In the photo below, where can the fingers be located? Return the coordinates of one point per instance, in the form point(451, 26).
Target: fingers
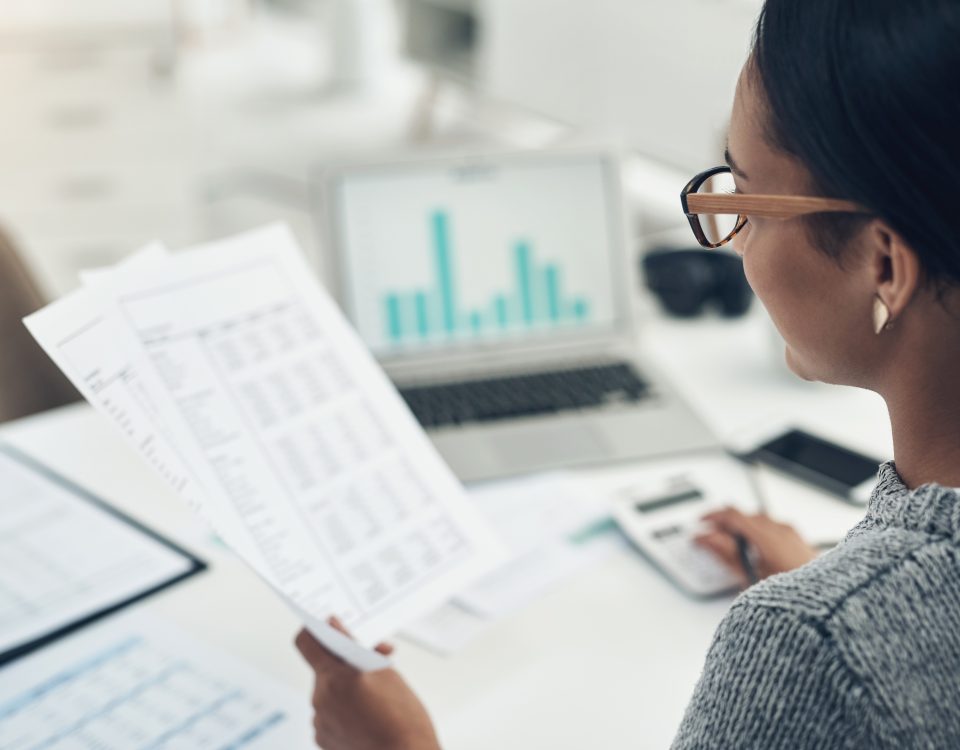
point(381, 648)
point(735, 522)
point(725, 548)
point(318, 657)
point(311, 650)
point(316, 654)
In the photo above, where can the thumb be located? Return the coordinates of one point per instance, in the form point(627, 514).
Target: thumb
point(314, 652)
point(381, 648)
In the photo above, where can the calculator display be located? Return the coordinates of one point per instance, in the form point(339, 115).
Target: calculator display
point(679, 498)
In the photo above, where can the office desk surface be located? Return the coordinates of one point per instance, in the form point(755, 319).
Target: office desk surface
point(607, 660)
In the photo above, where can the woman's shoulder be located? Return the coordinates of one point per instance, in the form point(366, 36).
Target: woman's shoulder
point(800, 621)
point(867, 631)
point(866, 561)
point(771, 676)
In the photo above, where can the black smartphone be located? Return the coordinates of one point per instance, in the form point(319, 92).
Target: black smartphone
point(839, 470)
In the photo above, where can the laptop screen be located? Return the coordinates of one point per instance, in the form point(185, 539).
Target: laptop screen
point(478, 253)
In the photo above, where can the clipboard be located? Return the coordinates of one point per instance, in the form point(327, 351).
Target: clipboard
point(37, 505)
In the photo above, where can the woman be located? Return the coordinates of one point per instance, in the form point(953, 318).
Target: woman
point(857, 104)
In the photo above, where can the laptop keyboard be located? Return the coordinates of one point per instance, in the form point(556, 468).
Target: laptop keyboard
point(509, 397)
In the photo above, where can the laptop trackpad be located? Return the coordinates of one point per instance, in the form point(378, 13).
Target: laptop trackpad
point(551, 445)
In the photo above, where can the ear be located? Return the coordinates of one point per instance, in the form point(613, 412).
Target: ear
point(897, 273)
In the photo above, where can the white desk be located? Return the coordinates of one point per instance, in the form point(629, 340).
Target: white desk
point(607, 660)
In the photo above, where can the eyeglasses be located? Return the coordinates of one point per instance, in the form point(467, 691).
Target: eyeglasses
point(717, 213)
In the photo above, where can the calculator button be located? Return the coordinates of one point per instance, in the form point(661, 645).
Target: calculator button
point(698, 567)
point(667, 532)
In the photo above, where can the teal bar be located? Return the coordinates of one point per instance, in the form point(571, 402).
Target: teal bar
point(524, 280)
point(580, 309)
point(435, 311)
point(552, 277)
point(394, 324)
point(422, 314)
point(476, 322)
point(502, 312)
point(448, 300)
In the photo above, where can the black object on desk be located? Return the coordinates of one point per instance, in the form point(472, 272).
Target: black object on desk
point(687, 282)
point(839, 470)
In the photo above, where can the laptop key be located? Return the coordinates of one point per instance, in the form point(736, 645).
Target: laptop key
point(524, 395)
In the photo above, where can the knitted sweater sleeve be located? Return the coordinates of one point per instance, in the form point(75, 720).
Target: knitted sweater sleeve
point(773, 679)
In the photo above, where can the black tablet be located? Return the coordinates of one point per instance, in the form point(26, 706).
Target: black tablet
point(67, 558)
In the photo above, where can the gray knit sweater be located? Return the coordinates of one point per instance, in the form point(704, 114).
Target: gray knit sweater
point(860, 648)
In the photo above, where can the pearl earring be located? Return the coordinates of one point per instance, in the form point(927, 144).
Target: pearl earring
point(881, 315)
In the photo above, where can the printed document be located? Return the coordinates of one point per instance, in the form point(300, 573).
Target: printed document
point(238, 378)
point(136, 682)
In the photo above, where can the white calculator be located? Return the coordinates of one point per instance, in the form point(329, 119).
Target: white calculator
point(662, 520)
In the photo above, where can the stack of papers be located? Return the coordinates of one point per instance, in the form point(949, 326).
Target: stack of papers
point(553, 525)
point(546, 522)
point(238, 379)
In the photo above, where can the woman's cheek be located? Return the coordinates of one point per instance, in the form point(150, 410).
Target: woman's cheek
point(740, 240)
point(752, 260)
point(761, 276)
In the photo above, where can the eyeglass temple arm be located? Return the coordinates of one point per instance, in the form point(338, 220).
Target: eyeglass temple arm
point(768, 206)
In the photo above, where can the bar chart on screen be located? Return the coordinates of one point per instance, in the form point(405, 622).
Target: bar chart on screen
point(440, 255)
point(535, 298)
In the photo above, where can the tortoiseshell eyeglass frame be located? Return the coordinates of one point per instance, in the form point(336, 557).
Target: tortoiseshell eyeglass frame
point(742, 206)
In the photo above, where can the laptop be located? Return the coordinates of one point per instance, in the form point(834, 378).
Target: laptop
point(497, 292)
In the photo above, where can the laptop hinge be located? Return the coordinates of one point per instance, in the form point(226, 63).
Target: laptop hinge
point(499, 360)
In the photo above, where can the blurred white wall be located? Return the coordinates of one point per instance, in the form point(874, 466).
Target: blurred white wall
point(654, 75)
point(126, 121)
point(18, 17)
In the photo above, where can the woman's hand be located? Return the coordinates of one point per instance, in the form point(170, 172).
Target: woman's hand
point(776, 547)
point(356, 710)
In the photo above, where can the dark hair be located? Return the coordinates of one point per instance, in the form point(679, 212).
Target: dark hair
point(866, 95)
